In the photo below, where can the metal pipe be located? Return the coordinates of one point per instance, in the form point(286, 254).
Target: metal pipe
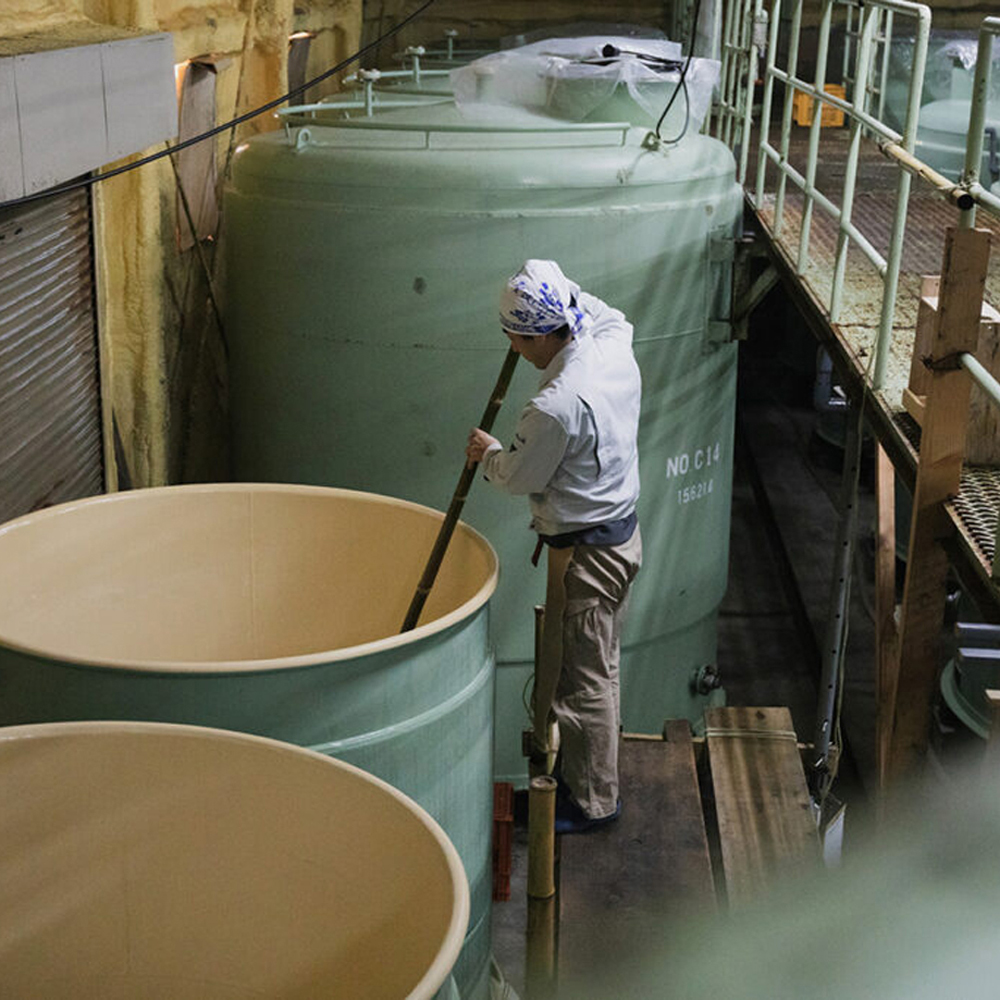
point(985, 198)
point(838, 102)
point(895, 257)
point(848, 34)
point(725, 84)
point(622, 127)
point(981, 376)
point(815, 128)
point(886, 47)
point(851, 168)
point(786, 115)
point(765, 114)
point(753, 65)
point(840, 592)
point(977, 112)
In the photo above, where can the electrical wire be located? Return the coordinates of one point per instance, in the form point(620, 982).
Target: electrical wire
point(232, 124)
point(682, 85)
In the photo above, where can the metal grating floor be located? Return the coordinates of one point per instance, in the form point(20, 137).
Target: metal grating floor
point(928, 217)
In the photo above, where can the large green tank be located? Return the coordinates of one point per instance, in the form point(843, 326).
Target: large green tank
point(272, 610)
point(364, 262)
point(942, 135)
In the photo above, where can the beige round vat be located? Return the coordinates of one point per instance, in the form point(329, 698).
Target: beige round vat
point(274, 610)
point(158, 862)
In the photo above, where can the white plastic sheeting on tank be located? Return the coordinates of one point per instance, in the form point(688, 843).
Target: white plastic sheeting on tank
point(571, 77)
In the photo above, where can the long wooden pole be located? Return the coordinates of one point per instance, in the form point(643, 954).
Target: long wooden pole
point(458, 498)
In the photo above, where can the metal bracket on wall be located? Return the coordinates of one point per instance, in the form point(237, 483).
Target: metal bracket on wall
point(748, 291)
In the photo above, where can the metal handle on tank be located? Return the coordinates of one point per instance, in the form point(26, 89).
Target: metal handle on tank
point(458, 498)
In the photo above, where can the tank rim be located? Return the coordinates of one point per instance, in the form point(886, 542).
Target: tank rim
point(273, 664)
point(453, 940)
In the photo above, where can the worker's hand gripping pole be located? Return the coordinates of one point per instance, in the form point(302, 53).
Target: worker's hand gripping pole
point(458, 499)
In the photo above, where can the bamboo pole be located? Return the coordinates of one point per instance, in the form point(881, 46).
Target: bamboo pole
point(541, 837)
point(458, 498)
point(541, 958)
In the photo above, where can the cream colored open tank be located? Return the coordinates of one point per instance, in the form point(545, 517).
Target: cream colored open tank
point(179, 863)
point(273, 610)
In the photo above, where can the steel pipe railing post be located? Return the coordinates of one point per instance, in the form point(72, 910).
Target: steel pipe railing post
point(752, 67)
point(728, 43)
point(840, 593)
point(816, 127)
point(845, 71)
point(895, 256)
point(786, 115)
point(741, 70)
point(886, 49)
point(765, 111)
point(732, 69)
point(977, 111)
point(851, 168)
point(984, 198)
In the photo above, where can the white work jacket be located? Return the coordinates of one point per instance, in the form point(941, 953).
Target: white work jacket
point(574, 450)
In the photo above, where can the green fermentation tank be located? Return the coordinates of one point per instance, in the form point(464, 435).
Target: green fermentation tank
point(271, 610)
point(942, 136)
point(364, 262)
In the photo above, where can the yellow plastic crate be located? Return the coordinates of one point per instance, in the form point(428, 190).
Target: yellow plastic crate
point(802, 107)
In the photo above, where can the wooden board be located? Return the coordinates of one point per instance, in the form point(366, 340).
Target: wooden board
point(622, 885)
point(765, 821)
point(953, 328)
point(982, 445)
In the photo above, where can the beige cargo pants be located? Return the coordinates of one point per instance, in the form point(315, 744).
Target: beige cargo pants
point(577, 676)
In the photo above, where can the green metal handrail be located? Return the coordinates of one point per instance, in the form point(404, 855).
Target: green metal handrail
point(861, 120)
point(967, 194)
point(977, 122)
point(742, 42)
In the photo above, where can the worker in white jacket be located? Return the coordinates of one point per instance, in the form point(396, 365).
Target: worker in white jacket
point(574, 455)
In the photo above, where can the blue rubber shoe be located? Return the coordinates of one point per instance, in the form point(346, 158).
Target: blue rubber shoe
point(570, 818)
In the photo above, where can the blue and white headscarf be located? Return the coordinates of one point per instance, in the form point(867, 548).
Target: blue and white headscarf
point(540, 299)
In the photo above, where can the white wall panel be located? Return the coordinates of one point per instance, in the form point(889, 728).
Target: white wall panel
point(60, 101)
point(141, 110)
point(11, 176)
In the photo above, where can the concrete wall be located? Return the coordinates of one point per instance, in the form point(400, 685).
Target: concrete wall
point(163, 364)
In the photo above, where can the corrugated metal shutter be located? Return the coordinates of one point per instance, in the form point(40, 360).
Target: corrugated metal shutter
point(50, 409)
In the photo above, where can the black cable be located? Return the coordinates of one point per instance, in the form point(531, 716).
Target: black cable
point(682, 85)
point(177, 147)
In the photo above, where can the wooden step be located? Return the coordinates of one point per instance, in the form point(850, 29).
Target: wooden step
point(762, 804)
point(620, 883)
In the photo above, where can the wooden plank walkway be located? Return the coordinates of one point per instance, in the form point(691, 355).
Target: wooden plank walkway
point(621, 885)
point(762, 805)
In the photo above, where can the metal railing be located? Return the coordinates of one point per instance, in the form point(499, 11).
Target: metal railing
point(863, 111)
point(989, 29)
point(743, 38)
point(878, 72)
point(860, 119)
